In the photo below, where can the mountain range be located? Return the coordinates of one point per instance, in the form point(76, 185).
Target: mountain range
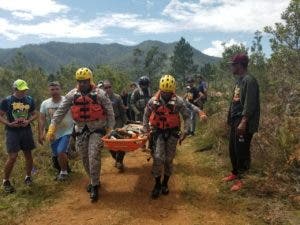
point(50, 56)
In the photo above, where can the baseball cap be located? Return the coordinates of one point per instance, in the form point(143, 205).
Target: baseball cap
point(239, 58)
point(20, 85)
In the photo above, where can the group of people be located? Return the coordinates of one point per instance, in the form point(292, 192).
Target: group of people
point(91, 111)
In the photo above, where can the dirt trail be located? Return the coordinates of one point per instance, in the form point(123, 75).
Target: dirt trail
point(125, 197)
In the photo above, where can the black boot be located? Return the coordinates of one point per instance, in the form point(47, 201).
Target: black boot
point(157, 188)
point(94, 195)
point(164, 186)
point(89, 188)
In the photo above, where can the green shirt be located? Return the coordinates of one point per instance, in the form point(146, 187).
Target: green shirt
point(245, 102)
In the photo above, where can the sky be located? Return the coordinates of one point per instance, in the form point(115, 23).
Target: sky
point(205, 24)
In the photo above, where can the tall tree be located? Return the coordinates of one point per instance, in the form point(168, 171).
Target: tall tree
point(208, 70)
point(137, 62)
point(286, 35)
point(257, 61)
point(182, 60)
point(284, 64)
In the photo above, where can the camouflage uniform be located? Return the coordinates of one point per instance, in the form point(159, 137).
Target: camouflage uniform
point(165, 140)
point(88, 134)
point(138, 102)
point(121, 120)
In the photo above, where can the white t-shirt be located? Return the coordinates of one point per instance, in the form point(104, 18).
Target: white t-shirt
point(48, 107)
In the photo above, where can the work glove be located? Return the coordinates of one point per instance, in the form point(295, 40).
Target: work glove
point(202, 116)
point(50, 136)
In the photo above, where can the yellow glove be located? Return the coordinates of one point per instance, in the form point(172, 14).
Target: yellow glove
point(50, 136)
point(202, 116)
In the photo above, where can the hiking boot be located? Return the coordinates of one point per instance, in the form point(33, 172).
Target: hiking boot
point(120, 166)
point(28, 181)
point(165, 190)
point(156, 191)
point(94, 194)
point(164, 187)
point(237, 186)
point(8, 188)
point(89, 188)
point(230, 177)
point(62, 177)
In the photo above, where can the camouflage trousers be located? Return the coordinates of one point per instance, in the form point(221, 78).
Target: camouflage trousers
point(163, 155)
point(89, 146)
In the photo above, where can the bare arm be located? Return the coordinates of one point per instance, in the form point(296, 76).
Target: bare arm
point(4, 121)
point(42, 122)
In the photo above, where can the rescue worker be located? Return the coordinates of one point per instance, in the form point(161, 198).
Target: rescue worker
point(93, 115)
point(162, 119)
point(120, 118)
point(139, 98)
point(130, 112)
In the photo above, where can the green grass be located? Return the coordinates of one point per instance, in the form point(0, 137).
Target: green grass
point(13, 207)
point(264, 199)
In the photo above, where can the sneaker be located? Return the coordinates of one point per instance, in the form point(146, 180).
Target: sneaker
point(120, 166)
point(237, 186)
point(62, 177)
point(230, 177)
point(28, 181)
point(8, 188)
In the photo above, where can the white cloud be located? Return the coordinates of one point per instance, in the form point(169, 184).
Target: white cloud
point(22, 15)
point(28, 9)
point(202, 15)
point(135, 22)
point(56, 28)
point(225, 15)
point(217, 47)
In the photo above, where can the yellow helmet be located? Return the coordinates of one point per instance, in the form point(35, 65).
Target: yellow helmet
point(167, 83)
point(84, 73)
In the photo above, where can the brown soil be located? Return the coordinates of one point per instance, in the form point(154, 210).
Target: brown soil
point(124, 199)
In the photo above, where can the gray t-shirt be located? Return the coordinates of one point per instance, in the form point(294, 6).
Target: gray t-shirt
point(48, 107)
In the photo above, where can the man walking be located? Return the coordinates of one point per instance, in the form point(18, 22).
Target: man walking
point(93, 114)
point(60, 145)
point(163, 114)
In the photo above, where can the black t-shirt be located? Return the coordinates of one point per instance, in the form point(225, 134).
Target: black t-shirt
point(17, 109)
point(194, 94)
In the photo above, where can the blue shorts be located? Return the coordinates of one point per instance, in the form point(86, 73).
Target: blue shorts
point(60, 145)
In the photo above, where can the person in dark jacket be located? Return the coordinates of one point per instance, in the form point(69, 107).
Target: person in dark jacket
point(243, 119)
point(139, 98)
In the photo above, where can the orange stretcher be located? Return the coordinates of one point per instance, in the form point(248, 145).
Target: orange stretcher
point(126, 145)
